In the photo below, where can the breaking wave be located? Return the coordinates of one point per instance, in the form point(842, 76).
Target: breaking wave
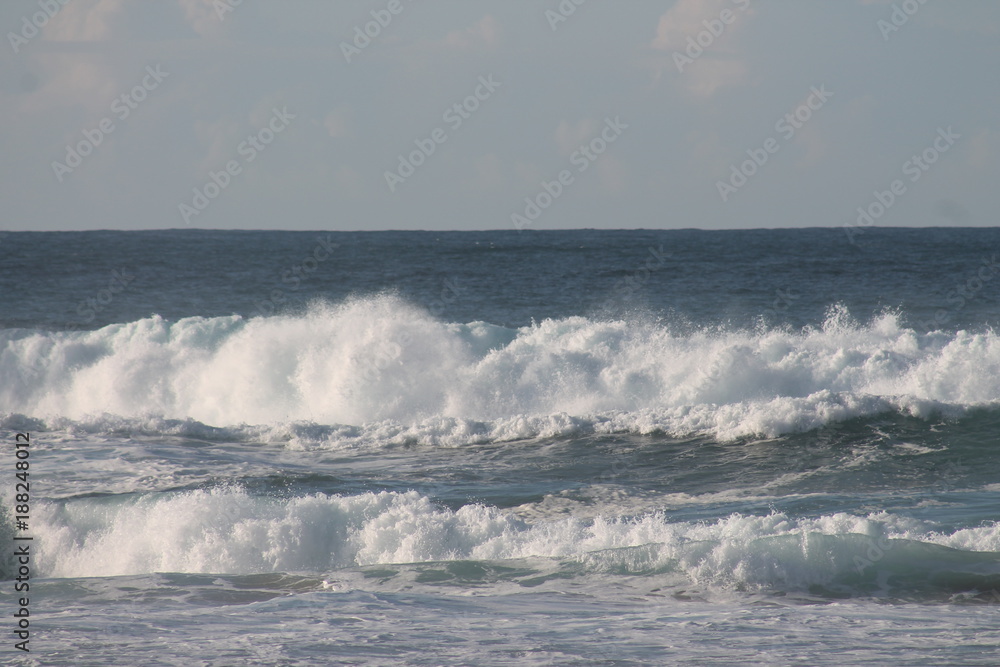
point(228, 531)
point(379, 370)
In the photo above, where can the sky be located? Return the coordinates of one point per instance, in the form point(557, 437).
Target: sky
point(471, 115)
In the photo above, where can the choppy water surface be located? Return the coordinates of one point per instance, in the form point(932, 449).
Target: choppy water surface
point(762, 447)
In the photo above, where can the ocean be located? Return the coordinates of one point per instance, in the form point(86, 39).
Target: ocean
point(581, 447)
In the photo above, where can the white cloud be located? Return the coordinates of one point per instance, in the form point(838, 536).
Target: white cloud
point(337, 123)
point(85, 21)
point(706, 76)
point(570, 136)
point(718, 63)
point(809, 137)
point(813, 142)
point(203, 15)
point(483, 34)
point(82, 83)
point(613, 174)
point(686, 19)
point(220, 138)
point(982, 149)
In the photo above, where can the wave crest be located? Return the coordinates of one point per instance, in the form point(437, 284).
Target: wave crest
point(389, 367)
point(228, 531)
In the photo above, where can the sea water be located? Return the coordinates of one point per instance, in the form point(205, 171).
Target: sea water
point(764, 447)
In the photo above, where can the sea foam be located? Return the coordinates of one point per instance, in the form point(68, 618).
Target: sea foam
point(377, 370)
point(226, 530)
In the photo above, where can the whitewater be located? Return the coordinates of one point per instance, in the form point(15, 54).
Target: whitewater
point(395, 371)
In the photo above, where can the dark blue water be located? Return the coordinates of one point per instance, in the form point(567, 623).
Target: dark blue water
point(506, 277)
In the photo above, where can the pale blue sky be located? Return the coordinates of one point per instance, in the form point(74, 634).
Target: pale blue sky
point(266, 90)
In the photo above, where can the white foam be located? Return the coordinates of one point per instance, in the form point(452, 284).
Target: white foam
point(399, 375)
point(229, 531)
